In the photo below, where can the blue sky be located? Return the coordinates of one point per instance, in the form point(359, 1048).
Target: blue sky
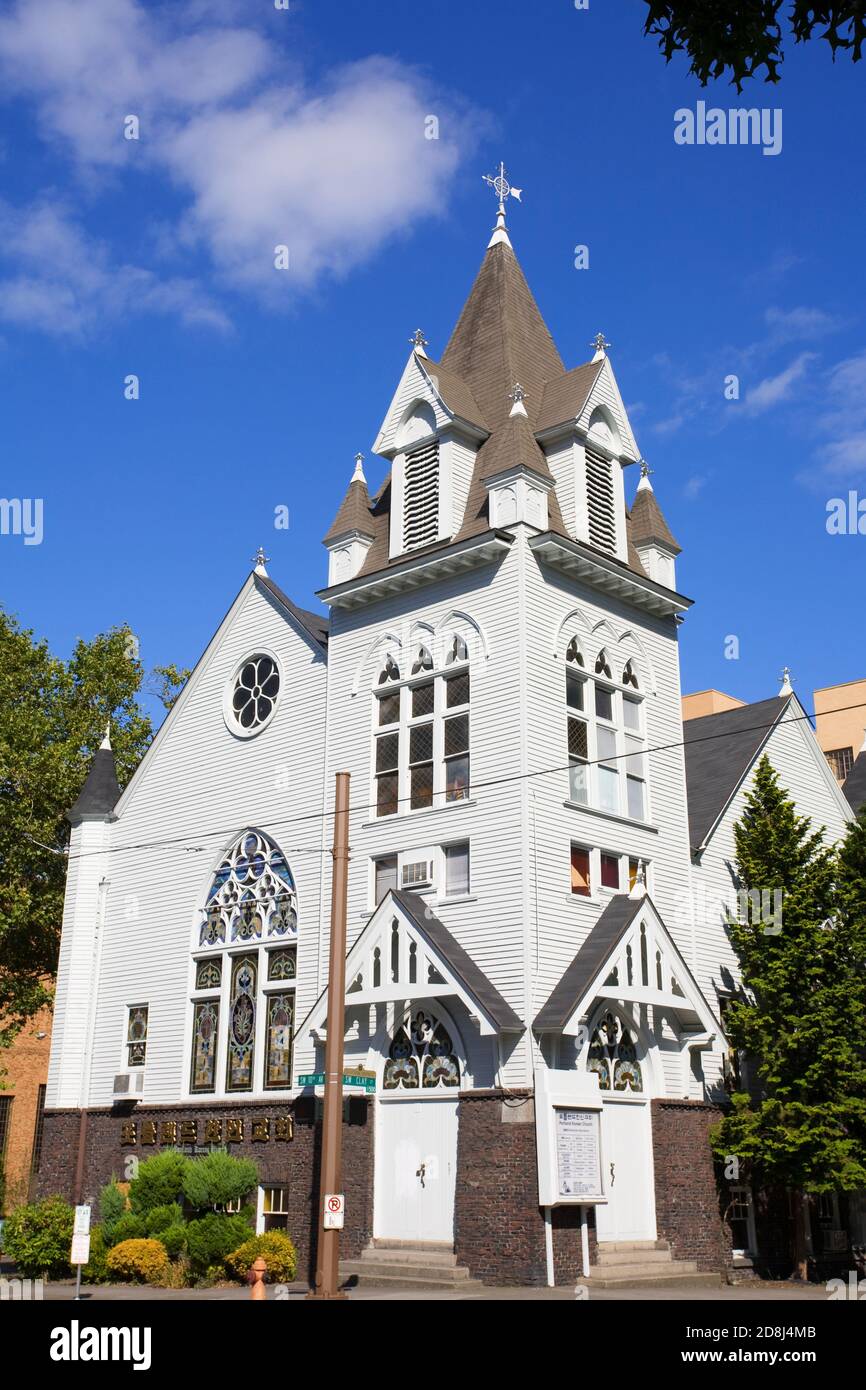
point(259, 126)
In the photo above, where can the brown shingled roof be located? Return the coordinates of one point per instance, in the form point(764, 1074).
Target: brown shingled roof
point(647, 522)
point(565, 396)
point(454, 392)
point(354, 513)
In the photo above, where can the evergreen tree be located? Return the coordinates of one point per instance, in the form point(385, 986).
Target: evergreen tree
point(801, 1015)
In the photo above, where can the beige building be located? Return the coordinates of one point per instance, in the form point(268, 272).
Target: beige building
point(840, 722)
point(708, 702)
point(23, 1076)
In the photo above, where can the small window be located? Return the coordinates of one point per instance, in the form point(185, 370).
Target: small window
point(457, 758)
point(608, 773)
point(390, 671)
point(610, 871)
point(275, 1209)
point(631, 714)
point(254, 697)
point(456, 870)
point(389, 709)
point(635, 793)
point(841, 761)
point(136, 1035)
point(423, 661)
point(423, 698)
point(602, 665)
point(457, 690)
point(420, 766)
point(629, 676)
point(208, 973)
point(574, 653)
point(5, 1118)
point(580, 880)
point(575, 689)
point(387, 778)
point(385, 876)
point(39, 1132)
point(459, 652)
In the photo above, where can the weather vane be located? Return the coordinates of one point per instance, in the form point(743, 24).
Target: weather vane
point(501, 187)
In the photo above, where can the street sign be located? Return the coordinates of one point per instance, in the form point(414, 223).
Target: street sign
point(80, 1249)
point(334, 1211)
point(358, 1081)
point(81, 1226)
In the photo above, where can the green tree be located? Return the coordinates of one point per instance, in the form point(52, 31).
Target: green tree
point(801, 1016)
point(53, 715)
point(741, 37)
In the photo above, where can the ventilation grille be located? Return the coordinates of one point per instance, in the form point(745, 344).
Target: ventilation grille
point(599, 496)
point(421, 497)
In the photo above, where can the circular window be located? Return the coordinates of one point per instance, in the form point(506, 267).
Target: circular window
point(255, 691)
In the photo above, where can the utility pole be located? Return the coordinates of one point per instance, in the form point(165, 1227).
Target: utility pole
point(328, 1246)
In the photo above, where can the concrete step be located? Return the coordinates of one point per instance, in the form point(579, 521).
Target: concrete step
point(411, 1266)
point(449, 1274)
point(397, 1280)
point(612, 1258)
point(409, 1254)
point(649, 1278)
point(632, 1245)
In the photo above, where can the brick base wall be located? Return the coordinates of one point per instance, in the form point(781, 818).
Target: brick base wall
point(294, 1163)
point(689, 1207)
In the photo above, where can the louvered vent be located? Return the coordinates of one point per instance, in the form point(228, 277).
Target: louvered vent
point(421, 497)
point(599, 496)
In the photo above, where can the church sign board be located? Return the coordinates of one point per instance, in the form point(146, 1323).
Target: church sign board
point(568, 1138)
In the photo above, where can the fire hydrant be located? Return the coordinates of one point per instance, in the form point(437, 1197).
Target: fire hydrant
point(258, 1270)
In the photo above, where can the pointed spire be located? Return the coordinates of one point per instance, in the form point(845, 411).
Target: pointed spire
point(786, 688)
point(601, 345)
point(503, 189)
point(260, 560)
point(101, 790)
point(638, 888)
point(354, 513)
point(646, 523)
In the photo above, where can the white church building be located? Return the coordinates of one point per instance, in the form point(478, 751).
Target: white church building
point(539, 866)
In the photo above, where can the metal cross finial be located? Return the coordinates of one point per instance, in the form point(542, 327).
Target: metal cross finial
point(501, 187)
point(359, 459)
point(260, 559)
point(787, 686)
point(600, 343)
point(517, 393)
point(418, 340)
point(645, 469)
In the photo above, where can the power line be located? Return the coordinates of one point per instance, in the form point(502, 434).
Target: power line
point(319, 816)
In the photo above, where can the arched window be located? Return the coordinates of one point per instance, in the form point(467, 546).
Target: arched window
point(613, 1056)
point(602, 665)
point(605, 736)
point(629, 675)
point(252, 904)
point(421, 1056)
point(573, 652)
point(390, 671)
point(458, 651)
point(423, 661)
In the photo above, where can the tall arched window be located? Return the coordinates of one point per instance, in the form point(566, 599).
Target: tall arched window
point(245, 968)
point(605, 735)
point(613, 1056)
point(421, 1057)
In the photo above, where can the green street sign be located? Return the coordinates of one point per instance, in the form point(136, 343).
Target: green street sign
point(361, 1083)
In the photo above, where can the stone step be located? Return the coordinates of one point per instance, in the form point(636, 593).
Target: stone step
point(394, 1279)
point(639, 1268)
point(632, 1245)
point(451, 1274)
point(649, 1279)
point(626, 1257)
point(409, 1254)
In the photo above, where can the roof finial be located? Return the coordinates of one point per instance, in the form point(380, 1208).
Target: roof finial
point(106, 742)
point(638, 888)
point(601, 345)
point(358, 475)
point(517, 395)
point(787, 687)
point(503, 189)
point(419, 342)
point(645, 485)
point(260, 559)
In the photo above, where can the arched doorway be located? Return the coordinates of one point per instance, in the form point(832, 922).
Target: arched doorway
point(617, 1054)
point(416, 1131)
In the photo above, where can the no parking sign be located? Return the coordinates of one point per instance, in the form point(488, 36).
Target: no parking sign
point(335, 1210)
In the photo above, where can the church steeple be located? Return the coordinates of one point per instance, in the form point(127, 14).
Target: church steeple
point(351, 532)
point(650, 533)
point(101, 790)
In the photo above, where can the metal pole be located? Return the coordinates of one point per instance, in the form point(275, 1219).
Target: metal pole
point(328, 1248)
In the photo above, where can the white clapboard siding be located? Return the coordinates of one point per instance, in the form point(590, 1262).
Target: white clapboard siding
point(197, 789)
point(795, 754)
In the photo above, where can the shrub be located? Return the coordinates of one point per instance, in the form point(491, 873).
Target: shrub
point(277, 1251)
point(112, 1202)
point(160, 1218)
point(38, 1237)
point(127, 1227)
point(212, 1237)
point(159, 1181)
point(174, 1240)
point(96, 1269)
point(140, 1262)
point(216, 1179)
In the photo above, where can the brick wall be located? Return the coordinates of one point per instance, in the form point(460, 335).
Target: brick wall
point(689, 1208)
point(498, 1224)
point(25, 1065)
point(294, 1163)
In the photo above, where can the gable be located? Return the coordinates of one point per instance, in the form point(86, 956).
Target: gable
point(605, 393)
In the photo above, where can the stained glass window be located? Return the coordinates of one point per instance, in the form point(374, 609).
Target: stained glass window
point(278, 1063)
point(613, 1056)
point(136, 1036)
point(205, 1029)
point(281, 965)
point(242, 1025)
point(252, 893)
point(421, 1054)
point(209, 974)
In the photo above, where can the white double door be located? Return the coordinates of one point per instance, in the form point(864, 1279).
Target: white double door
point(416, 1163)
point(627, 1173)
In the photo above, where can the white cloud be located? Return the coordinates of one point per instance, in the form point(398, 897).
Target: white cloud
point(799, 324)
point(775, 389)
point(253, 156)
